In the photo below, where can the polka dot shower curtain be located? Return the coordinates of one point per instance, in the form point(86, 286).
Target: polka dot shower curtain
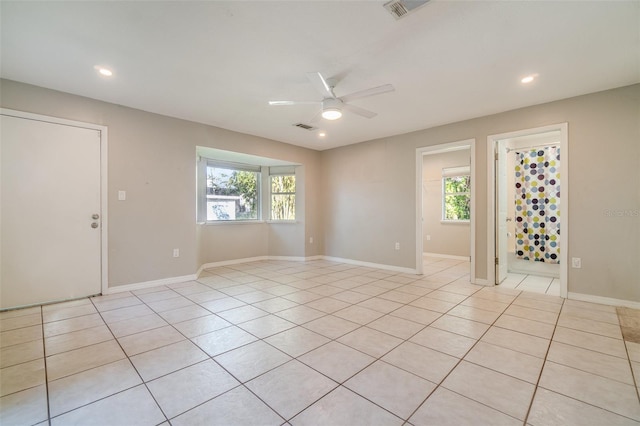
point(537, 217)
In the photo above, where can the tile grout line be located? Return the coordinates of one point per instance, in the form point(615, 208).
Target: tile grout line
point(626, 348)
point(546, 355)
point(438, 385)
point(393, 348)
point(130, 362)
point(243, 384)
point(44, 361)
point(128, 359)
point(180, 369)
point(331, 340)
point(326, 314)
point(211, 357)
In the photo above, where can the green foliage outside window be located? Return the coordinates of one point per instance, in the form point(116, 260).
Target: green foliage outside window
point(283, 197)
point(457, 198)
point(238, 183)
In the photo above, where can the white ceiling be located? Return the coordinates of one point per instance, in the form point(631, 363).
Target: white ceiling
point(220, 62)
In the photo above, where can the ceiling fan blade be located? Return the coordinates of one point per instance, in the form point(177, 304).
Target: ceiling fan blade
point(284, 103)
point(368, 92)
point(360, 111)
point(320, 83)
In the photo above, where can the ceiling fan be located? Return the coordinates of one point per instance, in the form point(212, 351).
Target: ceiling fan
point(332, 106)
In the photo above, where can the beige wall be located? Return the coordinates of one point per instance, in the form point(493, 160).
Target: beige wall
point(152, 157)
point(369, 193)
point(359, 200)
point(452, 239)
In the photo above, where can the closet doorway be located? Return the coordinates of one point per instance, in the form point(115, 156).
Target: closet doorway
point(530, 209)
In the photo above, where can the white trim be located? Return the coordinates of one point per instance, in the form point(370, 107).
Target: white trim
point(154, 283)
point(104, 196)
point(230, 262)
point(255, 259)
point(480, 281)
point(446, 256)
point(371, 265)
point(492, 141)
point(469, 144)
point(184, 278)
point(603, 300)
point(53, 302)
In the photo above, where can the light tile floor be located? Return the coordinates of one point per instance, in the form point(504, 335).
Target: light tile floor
point(319, 343)
point(532, 283)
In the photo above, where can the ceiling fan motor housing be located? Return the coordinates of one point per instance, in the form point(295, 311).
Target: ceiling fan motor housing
point(331, 103)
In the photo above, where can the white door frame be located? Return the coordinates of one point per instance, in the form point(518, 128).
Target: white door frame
point(492, 142)
point(469, 144)
point(104, 272)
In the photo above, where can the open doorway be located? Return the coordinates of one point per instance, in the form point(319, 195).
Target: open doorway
point(445, 219)
point(530, 211)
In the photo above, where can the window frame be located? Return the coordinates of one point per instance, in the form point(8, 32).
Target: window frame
point(454, 172)
point(202, 194)
point(276, 172)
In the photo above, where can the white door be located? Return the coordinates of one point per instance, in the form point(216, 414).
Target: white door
point(50, 212)
point(501, 217)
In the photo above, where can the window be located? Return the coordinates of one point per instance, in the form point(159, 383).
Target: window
point(232, 191)
point(230, 188)
point(283, 193)
point(456, 194)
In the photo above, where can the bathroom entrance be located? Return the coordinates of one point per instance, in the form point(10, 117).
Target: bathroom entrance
point(530, 212)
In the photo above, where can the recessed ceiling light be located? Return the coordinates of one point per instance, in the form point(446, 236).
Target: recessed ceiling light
point(528, 79)
point(103, 71)
point(322, 134)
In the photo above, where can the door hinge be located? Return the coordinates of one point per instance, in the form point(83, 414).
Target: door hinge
point(496, 156)
point(497, 261)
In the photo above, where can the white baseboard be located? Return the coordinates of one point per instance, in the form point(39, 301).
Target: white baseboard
point(230, 262)
point(147, 284)
point(446, 256)
point(480, 281)
point(603, 300)
point(304, 259)
point(176, 280)
point(371, 265)
point(254, 259)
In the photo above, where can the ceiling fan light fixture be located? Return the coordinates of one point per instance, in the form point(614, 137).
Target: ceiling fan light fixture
point(331, 113)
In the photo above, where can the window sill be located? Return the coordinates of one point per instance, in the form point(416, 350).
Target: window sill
point(249, 222)
point(231, 222)
point(455, 222)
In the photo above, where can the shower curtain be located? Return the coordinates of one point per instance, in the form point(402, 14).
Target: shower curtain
point(537, 212)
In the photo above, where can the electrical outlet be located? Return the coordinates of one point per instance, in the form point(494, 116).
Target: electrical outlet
point(428, 237)
point(176, 252)
point(397, 246)
point(576, 262)
point(310, 240)
point(122, 195)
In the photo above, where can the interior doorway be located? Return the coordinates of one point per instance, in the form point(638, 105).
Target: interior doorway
point(529, 219)
point(434, 165)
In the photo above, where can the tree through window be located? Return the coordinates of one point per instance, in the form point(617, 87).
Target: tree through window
point(232, 192)
point(283, 197)
point(456, 194)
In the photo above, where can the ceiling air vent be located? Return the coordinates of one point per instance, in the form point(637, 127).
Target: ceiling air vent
point(304, 126)
point(399, 8)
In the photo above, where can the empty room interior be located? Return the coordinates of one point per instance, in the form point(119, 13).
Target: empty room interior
point(319, 213)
